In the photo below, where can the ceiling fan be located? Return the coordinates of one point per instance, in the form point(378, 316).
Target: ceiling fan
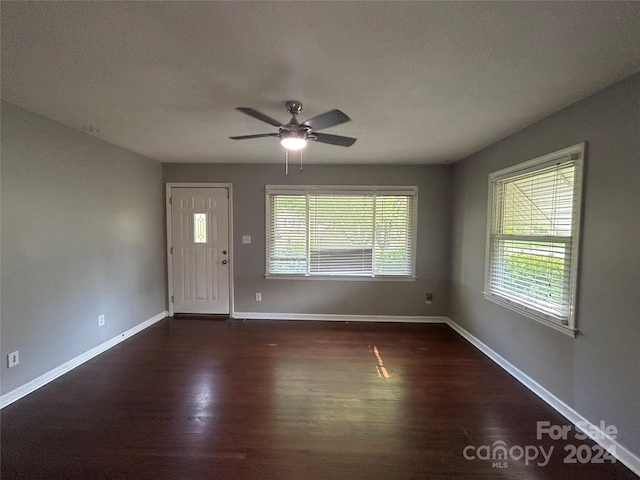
point(295, 135)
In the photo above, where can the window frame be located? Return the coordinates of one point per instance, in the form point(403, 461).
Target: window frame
point(344, 189)
point(575, 154)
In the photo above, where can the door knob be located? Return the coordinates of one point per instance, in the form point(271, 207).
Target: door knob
point(224, 262)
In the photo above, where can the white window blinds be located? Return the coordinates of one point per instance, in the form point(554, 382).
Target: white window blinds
point(342, 229)
point(288, 239)
point(532, 239)
point(319, 231)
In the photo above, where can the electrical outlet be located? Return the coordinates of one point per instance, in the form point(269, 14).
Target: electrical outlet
point(429, 298)
point(101, 320)
point(12, 359)
point(258, 297)
point(246, 239)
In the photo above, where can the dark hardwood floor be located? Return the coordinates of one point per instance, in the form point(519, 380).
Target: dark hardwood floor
point(201, 399)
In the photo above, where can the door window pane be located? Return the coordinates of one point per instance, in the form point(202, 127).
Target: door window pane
point(199, 228)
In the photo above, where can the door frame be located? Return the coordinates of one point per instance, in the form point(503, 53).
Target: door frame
point(168, 187)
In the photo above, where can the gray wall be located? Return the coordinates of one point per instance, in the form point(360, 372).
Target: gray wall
point(82, 235)
point(597, 373)
point(323, 296)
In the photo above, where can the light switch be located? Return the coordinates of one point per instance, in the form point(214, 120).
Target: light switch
point(246, 238)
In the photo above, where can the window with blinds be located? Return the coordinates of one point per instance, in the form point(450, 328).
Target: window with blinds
point(341, 231)
point(532, 241)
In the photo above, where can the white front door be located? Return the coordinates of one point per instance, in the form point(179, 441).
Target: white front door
point(200, 245)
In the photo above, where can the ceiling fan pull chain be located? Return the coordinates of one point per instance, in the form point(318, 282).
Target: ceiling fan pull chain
point(300, 161)
point(286, 161)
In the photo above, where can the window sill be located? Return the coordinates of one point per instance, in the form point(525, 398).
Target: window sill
point(540, 318)
point(342, 278)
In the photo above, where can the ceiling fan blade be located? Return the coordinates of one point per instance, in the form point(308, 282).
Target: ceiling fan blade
point(259, 135)
point(326, 120)
point(260, 116)
point(333, 139)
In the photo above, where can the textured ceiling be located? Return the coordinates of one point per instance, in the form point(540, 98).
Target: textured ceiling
point(423, 82)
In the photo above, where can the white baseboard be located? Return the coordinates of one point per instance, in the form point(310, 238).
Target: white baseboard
point(621, 453)
point(338, 318)
point(16, 394)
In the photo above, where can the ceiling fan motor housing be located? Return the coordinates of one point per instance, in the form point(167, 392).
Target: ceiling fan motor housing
point(302, 132)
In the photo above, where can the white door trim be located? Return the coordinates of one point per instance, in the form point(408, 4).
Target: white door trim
point(168, 188)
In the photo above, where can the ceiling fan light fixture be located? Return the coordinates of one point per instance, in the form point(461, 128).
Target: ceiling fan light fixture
point(294, 141)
